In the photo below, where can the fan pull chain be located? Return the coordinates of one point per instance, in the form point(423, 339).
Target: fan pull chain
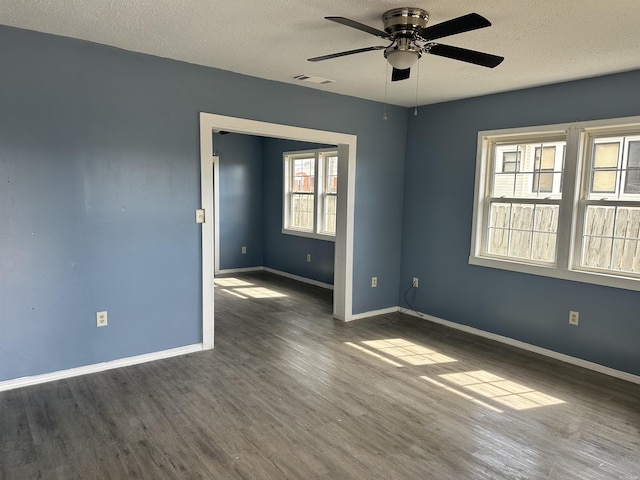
point(386, 84)
point(415, 110)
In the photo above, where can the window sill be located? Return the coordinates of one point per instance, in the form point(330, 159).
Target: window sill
point(316, 236)
point(593, 278)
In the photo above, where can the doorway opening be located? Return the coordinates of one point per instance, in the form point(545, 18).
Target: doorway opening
point(343, 262)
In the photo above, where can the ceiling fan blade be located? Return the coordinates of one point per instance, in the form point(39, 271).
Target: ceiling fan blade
point(465, 55)
point(466, 23)
point(342, 54)
point(398, 74)
point(359, 26)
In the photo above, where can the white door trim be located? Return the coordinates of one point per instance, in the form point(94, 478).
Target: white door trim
point(206, 194)
point(343, 267)
point(216, 214)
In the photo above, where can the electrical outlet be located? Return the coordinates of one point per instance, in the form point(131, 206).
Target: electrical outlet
point(574, 317)
point(415, 282)
point(101, 319)
point(244, 250)
point(309, 257)
point(374, 282)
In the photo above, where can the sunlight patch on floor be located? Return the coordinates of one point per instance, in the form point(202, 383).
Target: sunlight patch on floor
point(231, 282)
point(498, 389)
point(461, 394)
point(234, 293)
point(244, 290)
point(408, 352)
point(373, 354)
point(259, 292)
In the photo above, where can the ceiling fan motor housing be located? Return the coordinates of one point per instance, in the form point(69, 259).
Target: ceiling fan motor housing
point(402, 24)
point(404, 21)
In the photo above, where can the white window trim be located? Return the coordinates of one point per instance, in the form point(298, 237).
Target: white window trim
point(571, 206)
point(319, 153)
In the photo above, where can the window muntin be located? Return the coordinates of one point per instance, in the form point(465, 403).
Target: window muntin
point(310, 193)
point(572, 213)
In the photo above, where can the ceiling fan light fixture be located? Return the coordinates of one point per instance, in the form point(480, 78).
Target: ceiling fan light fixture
point(402, 59)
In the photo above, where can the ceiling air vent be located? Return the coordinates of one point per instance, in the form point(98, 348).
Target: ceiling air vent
point(311, 79)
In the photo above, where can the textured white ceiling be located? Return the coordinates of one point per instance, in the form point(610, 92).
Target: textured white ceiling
point(544, 41)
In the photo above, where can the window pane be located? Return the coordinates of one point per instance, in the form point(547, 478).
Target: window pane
point(498, 241)
point(504, 184)
point(511, 162)
point(628, 223)
point(331, 181)
point(606, 155)
point(626, 255)
point(520, 244)
point(528, 170)
point(304, 175)
point(632, 179)
point(519, 223)
point(615, 168)
point(596, 252)
point(526, 231)
point(329, 221)
point(611, 238)
point(544, 247)
point(546, 218)
point(543, 182)
point(604, 181)
point(543, 176)
point(302, 211)
point(522, 216)
point(599, 221)
point(548, 158)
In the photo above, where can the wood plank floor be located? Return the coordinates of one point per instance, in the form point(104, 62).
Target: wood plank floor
point(289, 393)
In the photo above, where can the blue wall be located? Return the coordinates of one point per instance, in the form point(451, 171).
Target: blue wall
point(241, 186)
point(288, 253)
point(438, 203)
point(251, 176)
point(100, 175)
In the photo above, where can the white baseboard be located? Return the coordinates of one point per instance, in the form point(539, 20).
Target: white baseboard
point(299, 278)
point(629, 377)
point(239, 270)
point(276, 272)
point(97, 367)
point(373, 313)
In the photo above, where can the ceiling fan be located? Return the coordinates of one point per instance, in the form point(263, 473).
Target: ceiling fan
point(406, 29)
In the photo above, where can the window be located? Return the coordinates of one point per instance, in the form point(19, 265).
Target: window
point(310, 193)
point(524, 201)
point(561, 201)
point(611, 205)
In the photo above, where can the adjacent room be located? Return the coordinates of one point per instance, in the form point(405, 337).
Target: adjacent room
point(244, 240)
